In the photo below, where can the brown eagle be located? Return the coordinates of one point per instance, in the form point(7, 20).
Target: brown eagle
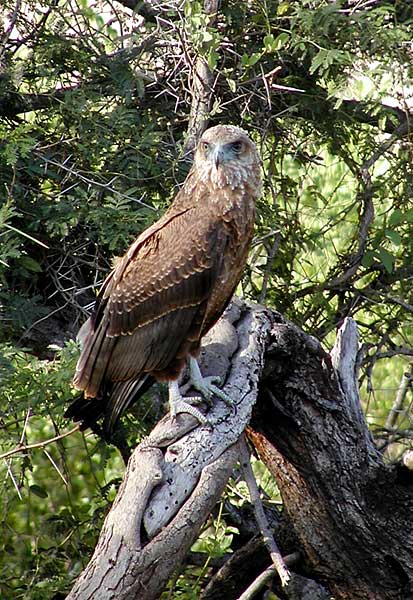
point(171, 286)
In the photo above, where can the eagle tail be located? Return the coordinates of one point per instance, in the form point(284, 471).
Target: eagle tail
point(101, 398)
point(110, 405)
point(96, 351)
point(123, 395)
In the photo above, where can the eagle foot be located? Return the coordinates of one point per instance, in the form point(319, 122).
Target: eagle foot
point(180, 405)
point(206, 386)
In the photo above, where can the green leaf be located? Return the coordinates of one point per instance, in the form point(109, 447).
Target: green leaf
point(387, 259)
point(325, 58)
point(249, 61)
point(283, 8)
point(408, 215)
point(272, 44)
point(38, 491)
point(394, 236)
point(367, 259)
point(269, 42)
point(321, 59)
point(396, 217)
point(281, 40)
point(30, 264)
point(207, 36)
point(213, 57)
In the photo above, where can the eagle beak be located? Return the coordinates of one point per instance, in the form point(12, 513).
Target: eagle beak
point(218, 157)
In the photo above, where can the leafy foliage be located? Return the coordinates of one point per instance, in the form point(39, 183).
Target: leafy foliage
point(94, 104)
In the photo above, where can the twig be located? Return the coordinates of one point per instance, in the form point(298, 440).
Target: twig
point(395, 410)
point(12, 23)
point(398, 351)
point(26, 423)
point(266, 576)
point(265, 280)
point(384, 146)
point(12, 477)
point(367, 199)
point(20, 232)
point(93, 182)
point(400, 302)
point(260, 516)
point(50, 457)
point(43, 444)
point(366, 220)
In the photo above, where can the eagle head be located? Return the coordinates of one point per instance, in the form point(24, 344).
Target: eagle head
point(225, 155)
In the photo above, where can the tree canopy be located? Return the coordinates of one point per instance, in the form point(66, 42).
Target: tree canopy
point(100, 105)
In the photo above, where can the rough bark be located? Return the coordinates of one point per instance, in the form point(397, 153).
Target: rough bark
point(351, 514)
point(347, 513)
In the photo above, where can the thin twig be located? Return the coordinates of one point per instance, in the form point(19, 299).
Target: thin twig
point(20, 232)
point(12, 23)
point(405, 383)
point(50, 457)
point(260, 516)
point(26, 423)
point(12, 477)
point(266, 576)
point(367, 199)
point(266, 278)
point(92, 182)
point(43, 444)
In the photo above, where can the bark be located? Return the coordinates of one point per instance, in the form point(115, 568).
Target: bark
point(346, 513)
point(350, 512)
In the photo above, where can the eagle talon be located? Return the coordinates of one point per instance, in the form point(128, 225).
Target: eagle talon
point(180, 405)
point(210, 380)
point(185, 407)
point(205, 385)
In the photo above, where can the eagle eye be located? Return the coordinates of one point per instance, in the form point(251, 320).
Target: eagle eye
point(205, 146)
point(236, 146)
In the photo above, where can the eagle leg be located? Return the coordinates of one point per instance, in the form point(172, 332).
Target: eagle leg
point(179, 405)
point(205, 385)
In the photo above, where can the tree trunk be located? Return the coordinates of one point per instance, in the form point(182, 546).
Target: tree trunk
point(349, 514)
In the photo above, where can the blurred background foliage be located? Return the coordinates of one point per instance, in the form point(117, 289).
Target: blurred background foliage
point(94, 106)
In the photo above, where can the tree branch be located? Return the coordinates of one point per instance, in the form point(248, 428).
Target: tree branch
point(202, 88)
point(309, 429)
point(345, 505)
point(42, 444)
point(177, 474)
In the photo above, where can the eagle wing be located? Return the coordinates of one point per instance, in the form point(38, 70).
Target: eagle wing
point(154, 301)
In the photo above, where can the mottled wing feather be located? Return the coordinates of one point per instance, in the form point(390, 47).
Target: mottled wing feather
point(173, 269)
point(151, 347)
point(144, 315)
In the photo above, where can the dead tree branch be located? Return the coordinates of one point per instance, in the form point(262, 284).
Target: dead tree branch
point(349, 514)
point(175, 477)
point(349, 510)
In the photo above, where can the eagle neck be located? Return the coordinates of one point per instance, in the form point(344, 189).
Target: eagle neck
point(229, 179)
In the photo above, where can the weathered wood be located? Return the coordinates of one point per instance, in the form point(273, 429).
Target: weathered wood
point(349, 512)
point(175, 477)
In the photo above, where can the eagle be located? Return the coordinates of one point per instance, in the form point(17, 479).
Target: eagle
point(171, 286)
